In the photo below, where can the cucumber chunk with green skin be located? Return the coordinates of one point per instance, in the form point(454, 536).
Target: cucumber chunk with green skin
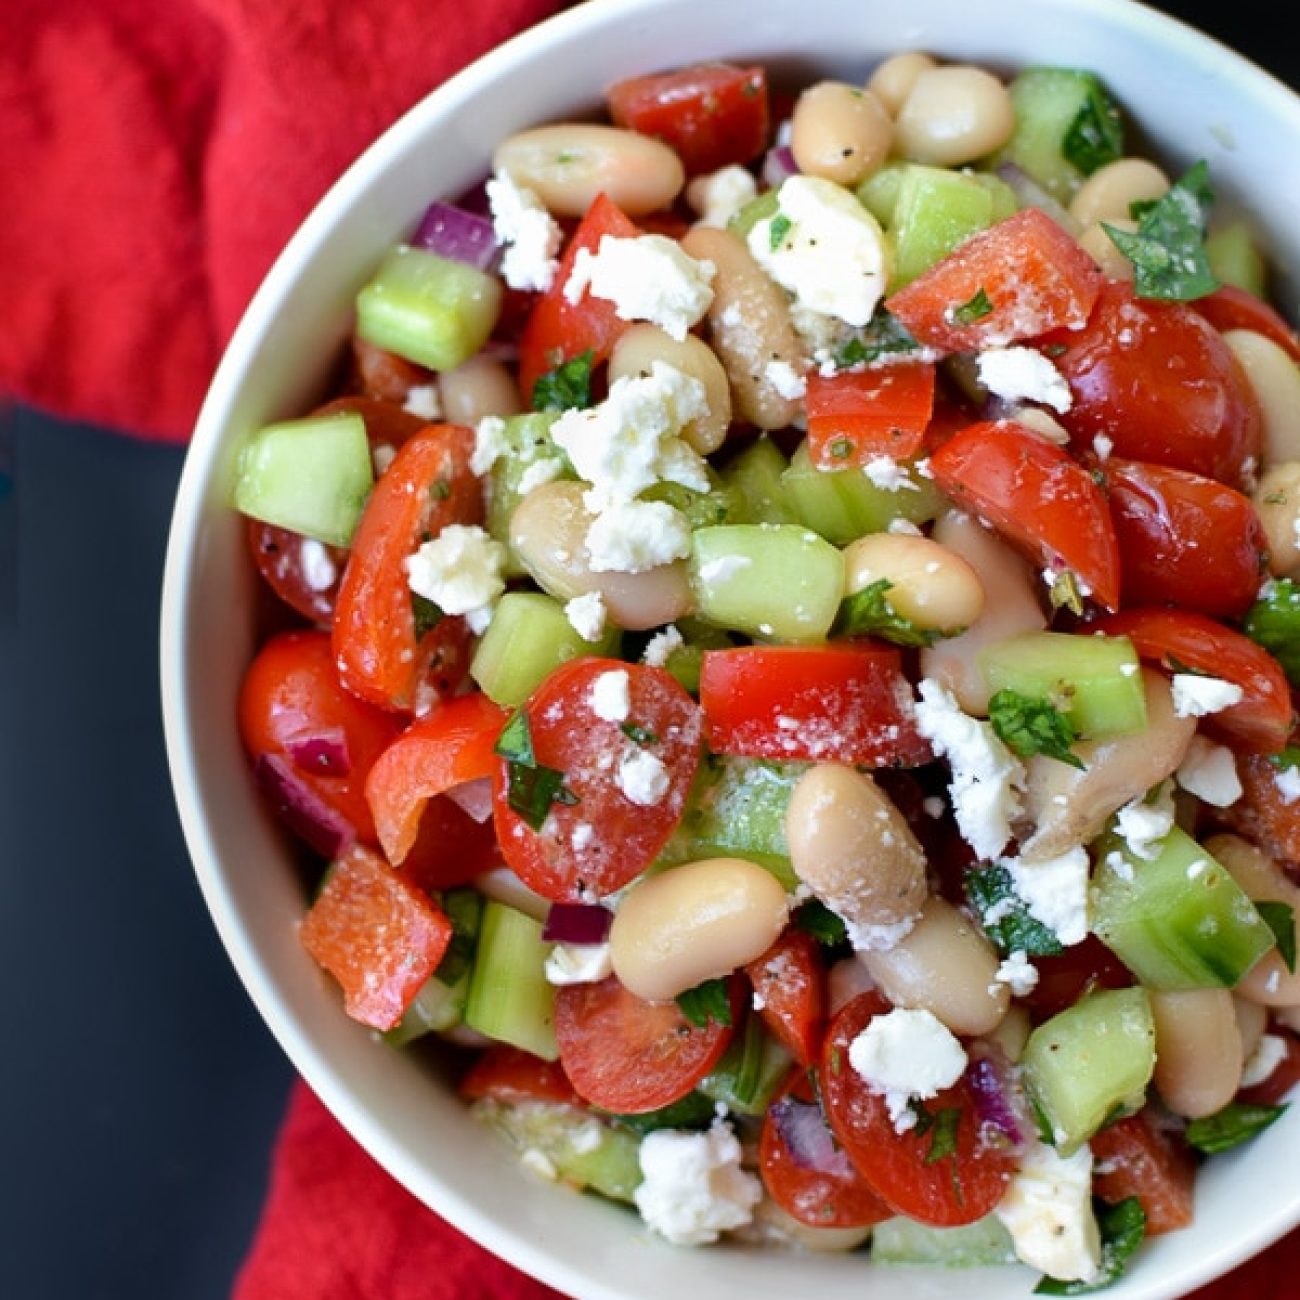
point(311, 476)
point(936, 209)
point(1096, 681)
point(777, 581)
point(702, 509)
point(509, 996)
point(751, 1071)
point(754, 480)
point(1178, 921)
point(581, 1149)
point(761, 208)
point(879, 192)
point(436, 1008)
point(529, 452)
point(1235, 258)
point(428, 309)
point(904, 1241)
point(1090, 1062)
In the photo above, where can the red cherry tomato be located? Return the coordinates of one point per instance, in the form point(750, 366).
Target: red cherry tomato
point(291, 692)
point(384, 375)
point(1185, 539)
point(789, 982)
point(630, 1056)
point(428, 486)
point(827, 1192)
point(855, 415)
point(506, 1073)
point(1179, 640)
point(1285, 1075)
point(1136, 1157)
point(1262, 814)
point(711, 114)
point(955, 1189)
point(599, 836)
point(1231, 308)
point(1159, 381)
point(1065, 978)
point(1037, 496)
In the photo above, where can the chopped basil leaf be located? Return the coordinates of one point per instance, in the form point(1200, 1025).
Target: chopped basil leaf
point(868, 612)
point(778, 230)
point(1123, 1227)
point(639, 735)
point(884, 334)
point(708, 1001)
point(427, 615)
point(1286, 758)
point(464, 909)
point(693, 1111)
point(1065, 592)
point(1168, 248)
point(1237, 1122)
point(943, 1136)
point(440, 489)
point(1005, 917)
point(976, 309)
point(1273, 622)
point(816, 919)
point(567, 387)
point(1096, 136)
point(1280, 918)
point(531, 789)
point(1029, 726)
point(515, 743)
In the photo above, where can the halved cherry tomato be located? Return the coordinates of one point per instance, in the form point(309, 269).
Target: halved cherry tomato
point(1037, 496)
point(379, 936)
point(1285, 1075)
point(842, 703)
point(1262, 814)
point(629, 1056)
point(1033, 278)
point(558, 329)
point(711, 114)
point(597, 837)
point(789, 982)
point(291, 692)
point(1135, 1157)
point(445, 748)
point(1159, 381)
point(507, 1073)
point(1179, 640)
point(1232, 308)
point(384, 375)
point(428, 486)
point(1185, 539)
point(450, 848)
point(855, 415)
point(1065, 978)
point(954, 1189)
point(829, 1193)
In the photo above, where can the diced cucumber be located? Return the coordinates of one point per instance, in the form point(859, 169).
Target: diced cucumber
point(693, 1111)
point(528, 638)
point(1235, 258)
point(905, 1241)
point(685, 661)
point(1094, 680)
point(1090, 1061)
point(702, 509)
point(936, 210)
point(757, 209)
point(509, 997)
point(436, 1008)
point(845, 504)
point(311, 476)
point(1005, 200)
point(751, 1070)
point(879, 192)
point(427, 308)
point(528, 444)
point(1060, 113)
point(777, 581)
point(1178, 921)
point(754, 480)
point(581, 1149)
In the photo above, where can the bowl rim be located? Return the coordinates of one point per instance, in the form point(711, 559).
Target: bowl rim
point(312, 1065)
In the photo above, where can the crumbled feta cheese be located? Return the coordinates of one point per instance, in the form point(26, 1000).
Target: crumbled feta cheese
point(1269, 1053)
point(609, 696)
point(539, 1163)
point(786, 380)
point(578, 963)
point(1047, 1209)
point(545, 469)
point(490, 444)
point(531, 236)
point(888, 475)
point(1018, 973)
point(637, 536)
point(319, 572)
point(986, 776)
point(1103, 446)
point(582, 834)
point(460, 570)
point(1142, 823)
point(1056, 892)
point(647, 277)
point(586, 615)
point(1021, 374)
point(643, 778)
point(1196, 695)
point(717, 197)
point(422, 400)
point(1287, 783)
point(693, 1188)
point(825, 248)
point(907, 1055)
point(660, 647)
point(1209, 771)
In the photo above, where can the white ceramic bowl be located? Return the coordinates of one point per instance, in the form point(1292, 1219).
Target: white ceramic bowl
point(1190, 96)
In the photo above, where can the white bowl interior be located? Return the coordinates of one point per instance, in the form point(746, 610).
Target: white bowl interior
point(1189, 96)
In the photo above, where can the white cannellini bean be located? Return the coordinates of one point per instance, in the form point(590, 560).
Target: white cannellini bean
point(894, 79)
point(1109, 193)
point(1105, 252)
point(478, 388)
point(1277, 503)
point(930, 584)
point(1252, 1020)
point(954, 115)
point(840, 132)
point(1275, 379)
point(1198, 1050)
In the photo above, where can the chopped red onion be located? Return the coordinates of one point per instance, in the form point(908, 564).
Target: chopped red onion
point(577, 923)
point(322, 753)
point(473, 797)
point(301, 808)
point(1032, 195)
point(806, 1135)
point(993, 1089)
point(779, 165)
point(457, 235)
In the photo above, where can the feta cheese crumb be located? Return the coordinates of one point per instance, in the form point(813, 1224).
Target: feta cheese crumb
point(637, 536)
point(578, 963)
point(319, 572)
point(609, 696)
point(545, 469)
point(1056, 892)
point(660, 647)
point(1287, 783)
point(422, 400)
point(717, 197)
point(539, 1163)
point(1209, 771)
point(888, 475)
point(460, 570)
point(1103, 446)
point(1269, 1053)
point(531, 236)
point(1142, 823)
point(490, 444)
point(907, 1055)
point(647, 277)
point(693, 1188)
point(586, 615)
point(643, 778)
point(1196, 695)
point(1047, 1209)
point(1018, 973)
point(1021, 374)
point(786, 379)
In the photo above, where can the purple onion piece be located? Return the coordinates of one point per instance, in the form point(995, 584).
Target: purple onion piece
point(993, 1092)
point(322, 753)
point(1032, 195)
point(457, 235)
point(473, 797)
point(577, 923)
point(301, 808)
point(779, 165)
point(807, 1137)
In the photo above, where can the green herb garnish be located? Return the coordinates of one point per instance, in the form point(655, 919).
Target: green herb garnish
point(869, 613)
point(638, 735)
point(1280, 918)
point(1004, 915)
point(1123, 1227)
point(816, 919)
point(708, 1001)
point(1236, 1123)
point(567, 387)
point(883, 335)
point(1096, 136)
point(1273, 622)
point(427, 615)
point(778, 229)
point(976, 309)
point(531, 788)
point(1030, 726)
